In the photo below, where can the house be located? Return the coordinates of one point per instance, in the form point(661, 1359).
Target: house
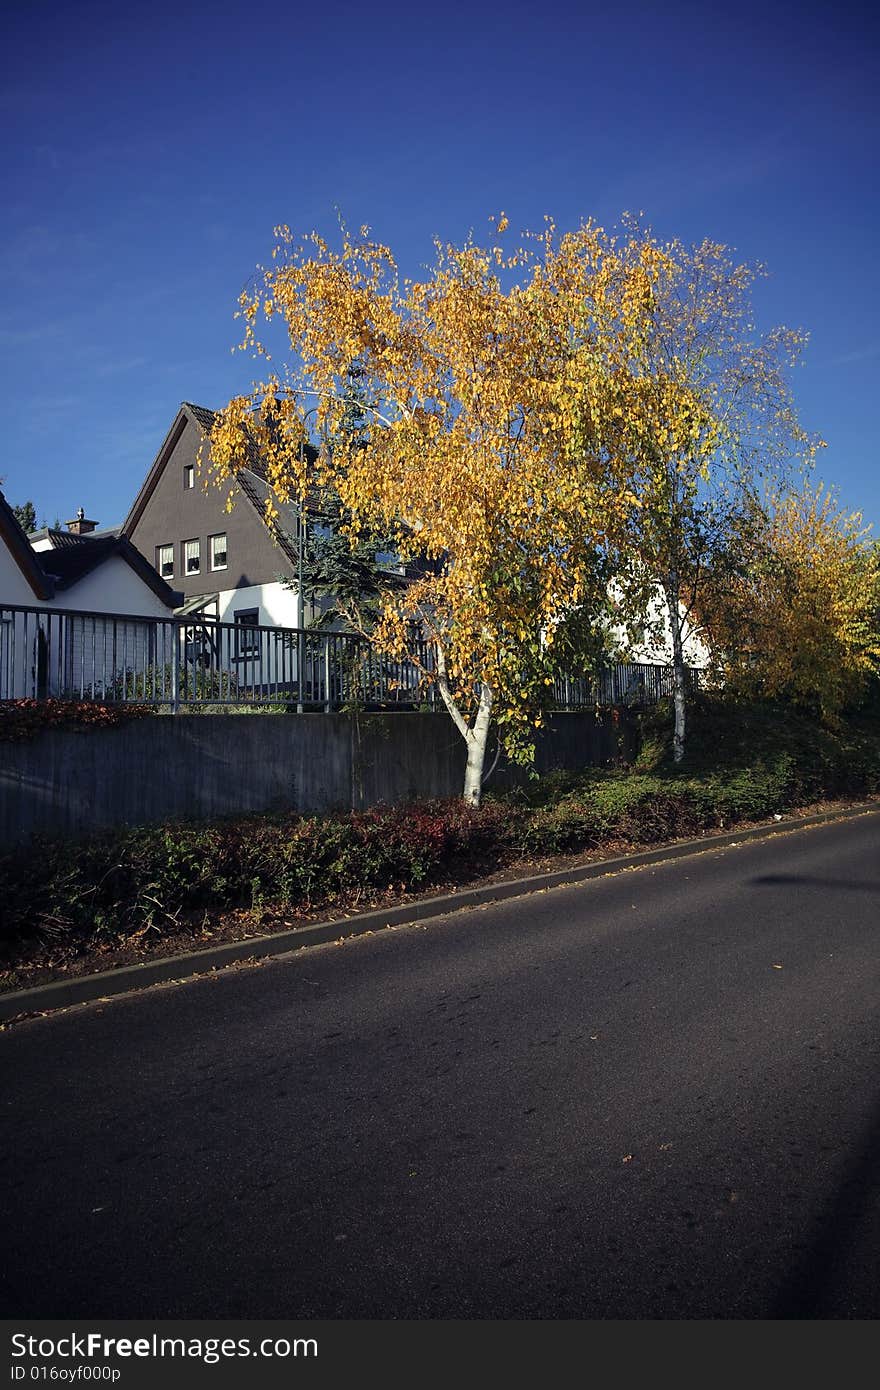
point(104, 574)
point(78, 609)
point(227, 564)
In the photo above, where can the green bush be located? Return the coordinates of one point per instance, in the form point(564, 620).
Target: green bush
point(157, 877)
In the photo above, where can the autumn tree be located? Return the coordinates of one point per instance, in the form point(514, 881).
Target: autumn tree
point(485, 391)
point(802, 623)
point(701, 409)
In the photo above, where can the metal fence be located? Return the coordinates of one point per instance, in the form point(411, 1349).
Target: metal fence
point(174, 662)
point(634, 684)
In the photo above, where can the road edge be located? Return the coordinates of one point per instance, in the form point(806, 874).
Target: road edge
point(63, 994)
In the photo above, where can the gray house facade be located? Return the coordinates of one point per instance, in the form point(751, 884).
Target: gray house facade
point(227, 564)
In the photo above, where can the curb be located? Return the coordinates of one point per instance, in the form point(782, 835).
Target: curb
point(62, 994)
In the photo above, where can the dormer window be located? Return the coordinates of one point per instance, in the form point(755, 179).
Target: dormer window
point(192, 557)
point(189, 475)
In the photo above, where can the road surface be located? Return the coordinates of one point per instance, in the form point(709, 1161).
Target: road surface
point(653, 1095)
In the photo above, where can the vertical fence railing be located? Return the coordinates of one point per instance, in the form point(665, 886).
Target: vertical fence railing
point(178, 662)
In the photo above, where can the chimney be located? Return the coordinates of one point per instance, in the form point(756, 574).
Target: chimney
point(80, 526)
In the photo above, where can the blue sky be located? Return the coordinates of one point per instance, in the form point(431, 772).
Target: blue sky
point(150, 150)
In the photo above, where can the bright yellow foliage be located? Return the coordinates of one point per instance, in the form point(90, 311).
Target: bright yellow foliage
point(543, 416)
point(804, 624)
point(492, 382)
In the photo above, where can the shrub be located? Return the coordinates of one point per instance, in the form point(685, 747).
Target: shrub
point(24, 719)
point(156, 877)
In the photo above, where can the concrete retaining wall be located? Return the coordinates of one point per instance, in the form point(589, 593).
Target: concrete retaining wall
point(71, 781)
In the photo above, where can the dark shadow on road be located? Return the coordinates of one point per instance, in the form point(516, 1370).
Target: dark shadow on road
point(853, 885)
point(822, 1285)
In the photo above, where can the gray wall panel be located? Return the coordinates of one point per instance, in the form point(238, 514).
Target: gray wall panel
point(72, 781)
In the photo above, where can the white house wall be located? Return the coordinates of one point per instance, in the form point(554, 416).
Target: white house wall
point(75, 656)
point(277, 605)
point(14, 588)
point(15, 647)
point(95, 651)
point(655, 649)
point(112, 587)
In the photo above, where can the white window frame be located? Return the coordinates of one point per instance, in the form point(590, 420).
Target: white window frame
point(197, 556)
point(160, 562)
point(189, 475)
point(220, 535)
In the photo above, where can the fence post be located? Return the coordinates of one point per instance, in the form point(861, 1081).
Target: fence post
point(327, 692)
point(175, 668)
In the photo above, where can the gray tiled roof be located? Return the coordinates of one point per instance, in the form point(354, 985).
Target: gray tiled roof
point(285, 527)
point(68, 563)
point(204, 416)
point(61, 538)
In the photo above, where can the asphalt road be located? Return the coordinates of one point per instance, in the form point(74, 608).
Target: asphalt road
point(655, 1095)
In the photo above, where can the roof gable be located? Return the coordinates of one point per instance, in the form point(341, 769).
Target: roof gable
point(20, 549)
point(72, 563)
point(251, 482)
point(148, 486)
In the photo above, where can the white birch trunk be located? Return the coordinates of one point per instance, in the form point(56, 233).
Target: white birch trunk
point(679, 674)
point(476, 738)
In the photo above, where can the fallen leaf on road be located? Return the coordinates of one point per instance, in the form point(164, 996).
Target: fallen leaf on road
point(776, 967)
point(627, 1158)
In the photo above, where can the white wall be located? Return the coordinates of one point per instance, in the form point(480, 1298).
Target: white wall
point(69, 656)
point(278, 606)
point(16, 642)
point(14, 588)
point(113, 587)
point(94, 651)
point(655, 648)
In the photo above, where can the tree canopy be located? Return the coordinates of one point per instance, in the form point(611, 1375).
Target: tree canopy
point(545, 417)
point(481, 380)
point(348, 572)
point(703, 419)
point(801, 621)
